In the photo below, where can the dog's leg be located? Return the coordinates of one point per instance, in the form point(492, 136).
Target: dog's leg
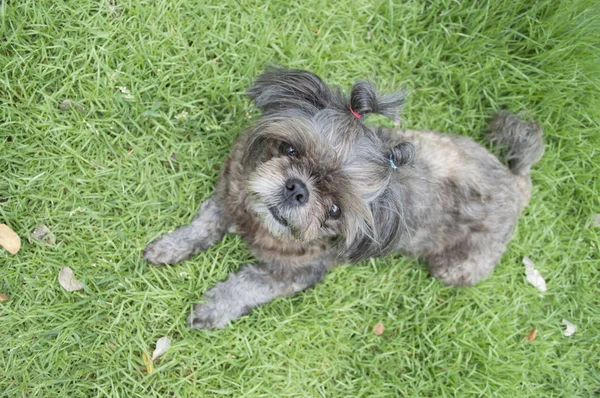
point(465, 273)
point(206, 228)
point(251, 286)
point(465, 266)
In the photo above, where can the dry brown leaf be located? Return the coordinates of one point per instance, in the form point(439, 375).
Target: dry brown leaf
point(3, 297)
point(148, 363)
point(68, 281)
point(378, 329)
point(42, 233)
point(531, 335)
point(9, 239)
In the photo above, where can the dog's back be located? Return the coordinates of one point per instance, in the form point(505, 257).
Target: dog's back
point(468, 202)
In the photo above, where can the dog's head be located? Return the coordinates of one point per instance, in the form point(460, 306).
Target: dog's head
point(316, 171)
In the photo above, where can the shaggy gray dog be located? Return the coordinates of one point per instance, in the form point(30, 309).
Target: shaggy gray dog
point(309, 186)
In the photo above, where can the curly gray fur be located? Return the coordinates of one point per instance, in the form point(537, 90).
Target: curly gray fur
point(365, 192)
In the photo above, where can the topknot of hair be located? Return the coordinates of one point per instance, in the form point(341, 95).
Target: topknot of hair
point(364, 101)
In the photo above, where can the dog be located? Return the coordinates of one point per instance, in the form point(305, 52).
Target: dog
point(309, 186)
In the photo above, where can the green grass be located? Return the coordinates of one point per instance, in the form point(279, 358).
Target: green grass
point(105, 182)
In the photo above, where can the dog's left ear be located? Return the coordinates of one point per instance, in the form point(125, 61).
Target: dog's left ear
point(278, 89)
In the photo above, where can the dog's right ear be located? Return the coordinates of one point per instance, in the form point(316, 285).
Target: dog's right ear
point(278, 89)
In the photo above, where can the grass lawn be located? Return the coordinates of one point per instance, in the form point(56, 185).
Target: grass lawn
point(157, 91)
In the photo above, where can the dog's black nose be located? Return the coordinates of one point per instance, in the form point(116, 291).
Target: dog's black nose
point(296, 193)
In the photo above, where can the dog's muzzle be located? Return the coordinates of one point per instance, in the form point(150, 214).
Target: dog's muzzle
point(277, 216)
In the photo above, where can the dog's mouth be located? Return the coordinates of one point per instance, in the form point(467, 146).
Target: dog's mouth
point(277, 216)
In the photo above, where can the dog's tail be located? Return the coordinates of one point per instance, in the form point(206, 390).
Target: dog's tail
point(522, 139)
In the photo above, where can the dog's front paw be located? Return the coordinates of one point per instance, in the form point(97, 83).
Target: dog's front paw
point(206, 316)
point(166, 250)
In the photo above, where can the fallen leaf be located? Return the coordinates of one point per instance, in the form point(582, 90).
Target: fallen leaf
point(65, 105)
point(533, 276)
point(42, 233)
point(113, 8)
point(531, 335)
point(378, 329)
point(3, 297)
point(570, 330)
point(9, 239)
point(162, 345)
point(528, 263)
point(125, 91)
point(68, 105)
point(68, 281)
point(182, 115)
point(148, 363)
point(77, 210)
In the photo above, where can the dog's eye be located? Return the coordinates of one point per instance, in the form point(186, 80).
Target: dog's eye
point(335, 212)
point(287, 149)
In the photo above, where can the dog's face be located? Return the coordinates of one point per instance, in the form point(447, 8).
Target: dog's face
point(315, 171)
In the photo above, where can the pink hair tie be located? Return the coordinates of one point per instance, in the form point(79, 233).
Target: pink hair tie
point(356, 115)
